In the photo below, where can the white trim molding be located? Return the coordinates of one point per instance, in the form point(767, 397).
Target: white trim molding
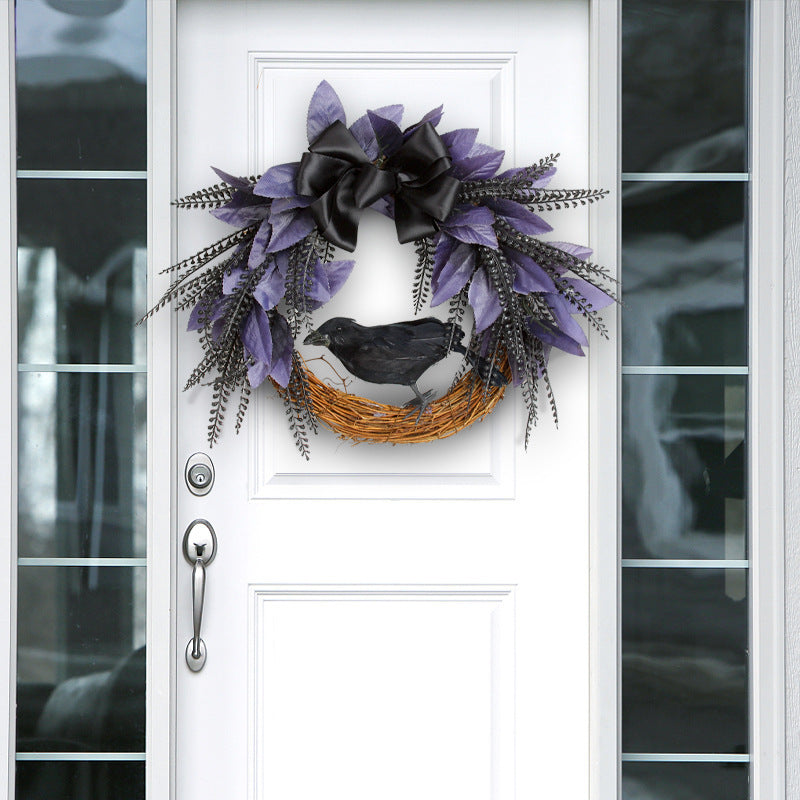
point(767, 684)
point(8, 394)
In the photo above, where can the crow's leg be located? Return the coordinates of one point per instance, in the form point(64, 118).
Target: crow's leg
point(421, 400)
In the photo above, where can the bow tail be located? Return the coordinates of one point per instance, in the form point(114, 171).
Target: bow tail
point(337, 216)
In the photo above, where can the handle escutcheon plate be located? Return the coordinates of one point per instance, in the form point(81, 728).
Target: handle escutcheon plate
point(199, 549)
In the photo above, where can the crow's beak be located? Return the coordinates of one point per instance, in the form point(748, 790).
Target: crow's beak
point(315, 337)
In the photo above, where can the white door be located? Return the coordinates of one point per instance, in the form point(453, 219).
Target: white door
point(385, 622)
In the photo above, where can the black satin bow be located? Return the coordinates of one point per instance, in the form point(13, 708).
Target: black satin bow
point(338, 173)
point(423, 193)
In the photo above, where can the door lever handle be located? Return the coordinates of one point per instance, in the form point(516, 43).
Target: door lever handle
point(199, 549)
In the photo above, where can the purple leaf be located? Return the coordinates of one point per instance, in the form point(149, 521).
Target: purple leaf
point(460, 142)
point(530, 276)
point(519, 217)
point(242, 209)
point(338, 273)
point(216, 312)
point(289, 228)
point(552, 336)
point(444, 249)
point(562, 311)
point(365, 135)
point(232, 180)
point(387, 133)
point(323, 110)
point(231, 278)
point(453, 275)
point(269, 291)
point(595, 296)
point(577, 250)
point(319, 288)
point(482, 162)
point(434, 116)
point(484, 300)
point(282, 204)
point(257, 374)
point(256, 335)
point(259, 250)
point(279, 181)
point(282, 348)
point(473, 226)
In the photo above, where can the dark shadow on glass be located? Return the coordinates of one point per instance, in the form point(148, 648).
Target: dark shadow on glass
point(684, 781)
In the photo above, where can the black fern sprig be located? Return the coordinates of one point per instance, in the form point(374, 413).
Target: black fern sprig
point(207, 254)
point(422, 273)
point(521, 183)
point(299, 280)
point(299, 408)
point(244, 400)
point(556, 199)
point(211, 197)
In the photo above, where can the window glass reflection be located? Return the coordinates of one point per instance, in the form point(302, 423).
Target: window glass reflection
point(684, 661)
point(684, 781)
point(82, 270)
point(683, 466)
point(82, 465)
point(81, 84)
point(684, 274)
point(684, 98)
point(80, 780)
point(81, 659)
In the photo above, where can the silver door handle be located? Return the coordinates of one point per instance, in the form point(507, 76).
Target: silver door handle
point(199, 549)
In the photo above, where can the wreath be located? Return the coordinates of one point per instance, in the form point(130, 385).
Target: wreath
point(478, 242)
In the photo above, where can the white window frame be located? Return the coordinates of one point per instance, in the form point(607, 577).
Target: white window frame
point(768, 699)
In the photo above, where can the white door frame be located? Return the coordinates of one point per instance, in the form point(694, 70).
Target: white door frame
point(766, 419)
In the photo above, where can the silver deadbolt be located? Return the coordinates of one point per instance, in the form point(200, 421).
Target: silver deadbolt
point(199, 474)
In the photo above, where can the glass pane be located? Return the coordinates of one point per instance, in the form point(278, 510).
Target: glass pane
point(81, 659)
point(683, 274)
point(684, 661)
point(82, 270)
point(82, 464)
point(683, 466)
point(81, 91)
point(80, 780)
point(684, 781)
point(684, 97)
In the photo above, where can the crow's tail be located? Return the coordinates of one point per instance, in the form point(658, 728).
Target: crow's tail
point(481, 366)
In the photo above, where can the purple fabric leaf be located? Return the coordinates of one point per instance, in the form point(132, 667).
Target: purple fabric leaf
point(338, 273)
point(388, 133)
point(282, 204)
point(232, 180)
point(259, 250)
point(282, 348)
point(552, 336)
point(217, 327)
point(444, 249)
point(242, 209)
point(289, 228)
point(530, 276)
point(577, 250)
point(257, 373)
point(230, 280)
point(519, 217)
point(319, 288)
point(460, 142)
point(324, 109)
point(562, 311)
point(591, 293)
point(279, 181)
point(482, 162)
point(484, 300)
point(256, 335)
point(453, 275)
point(217, 311)
point(473, 226)
point(434, 116)
point(365, 135)
point(269, 291)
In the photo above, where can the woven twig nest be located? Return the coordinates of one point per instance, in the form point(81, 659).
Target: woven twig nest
point(363, 420)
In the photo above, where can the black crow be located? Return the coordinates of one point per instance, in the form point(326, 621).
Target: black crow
point(397, 353)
